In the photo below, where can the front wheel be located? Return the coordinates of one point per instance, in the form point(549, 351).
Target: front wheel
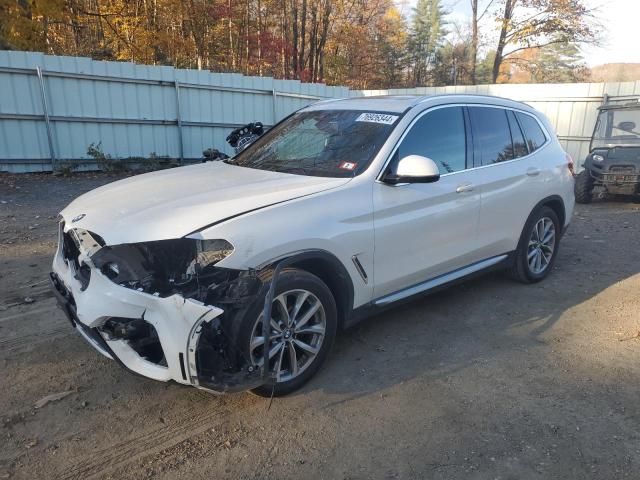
point(538, 246)
point(583, 187)
point(303, 327)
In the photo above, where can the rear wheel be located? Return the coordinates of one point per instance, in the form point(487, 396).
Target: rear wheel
point(303, 327)
point(583, 188)
point(538, 246)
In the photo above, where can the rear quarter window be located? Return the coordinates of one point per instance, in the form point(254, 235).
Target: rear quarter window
point(533, 134)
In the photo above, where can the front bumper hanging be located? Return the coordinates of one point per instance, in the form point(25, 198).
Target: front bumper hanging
point(193, 341)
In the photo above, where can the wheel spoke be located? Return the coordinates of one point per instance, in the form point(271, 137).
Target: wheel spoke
point(312, 329)
point(540, 231)
point(300, 299)
point(272, 353)
point(546, 248)
point(308, 314)
point(278, 368)
point(293, 359)
point(532, 254)
point(275, 326)
point(538, 261)
point(282, 301)
point(305, 346)
point(256, 342)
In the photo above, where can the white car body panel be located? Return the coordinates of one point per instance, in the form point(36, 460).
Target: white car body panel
point(423, 230)
point(339, 221)
point(173, 203)
point(402, 235)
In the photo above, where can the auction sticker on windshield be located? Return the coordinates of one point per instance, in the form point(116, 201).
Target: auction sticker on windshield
point(348, 166)
point(384, 118)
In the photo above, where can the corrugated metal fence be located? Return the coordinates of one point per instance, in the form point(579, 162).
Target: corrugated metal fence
point(52, 108)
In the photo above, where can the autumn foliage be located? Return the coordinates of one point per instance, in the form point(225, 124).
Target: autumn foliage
point(358, 43)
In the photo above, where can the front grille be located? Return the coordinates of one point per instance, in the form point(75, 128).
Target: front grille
point(626, 169)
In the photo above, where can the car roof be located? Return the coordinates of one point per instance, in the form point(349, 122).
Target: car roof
point(401, 103)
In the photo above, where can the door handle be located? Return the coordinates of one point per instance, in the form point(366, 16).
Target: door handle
point(532, 172)
point(467, 187)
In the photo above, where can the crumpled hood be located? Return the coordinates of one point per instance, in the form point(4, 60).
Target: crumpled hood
point(173, 203)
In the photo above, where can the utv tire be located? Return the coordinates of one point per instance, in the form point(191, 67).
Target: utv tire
point(583, 188)
point(293, 285)
point(522, 269)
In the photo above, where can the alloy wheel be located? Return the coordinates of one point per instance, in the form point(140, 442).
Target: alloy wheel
point(542, 244)
point(298, 325)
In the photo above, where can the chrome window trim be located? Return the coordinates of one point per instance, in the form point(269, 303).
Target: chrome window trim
point(450, 105)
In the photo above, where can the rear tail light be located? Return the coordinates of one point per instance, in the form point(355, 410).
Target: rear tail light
point(570, 164)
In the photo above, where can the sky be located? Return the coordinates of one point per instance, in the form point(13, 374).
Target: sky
point(619, 20)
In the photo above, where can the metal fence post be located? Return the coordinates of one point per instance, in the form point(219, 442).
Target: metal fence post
point(45, 109)
point(179, 119)
point(274, 96)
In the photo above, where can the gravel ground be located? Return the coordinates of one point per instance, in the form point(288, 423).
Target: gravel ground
point(489, 379)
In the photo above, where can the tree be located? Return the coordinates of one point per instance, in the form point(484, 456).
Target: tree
point(427, 34)
point(555, 63)
point(475, 20)
point(538, 23)
point(391, 44)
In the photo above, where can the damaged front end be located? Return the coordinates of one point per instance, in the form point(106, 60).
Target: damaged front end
point(162, 309)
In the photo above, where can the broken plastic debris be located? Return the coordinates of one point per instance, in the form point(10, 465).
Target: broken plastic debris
point(54, 397)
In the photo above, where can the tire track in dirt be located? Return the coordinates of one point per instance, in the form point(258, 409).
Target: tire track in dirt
point(99, 463)
point(14, 344)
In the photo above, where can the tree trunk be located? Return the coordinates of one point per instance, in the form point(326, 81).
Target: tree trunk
point(323, 40)
point(506, 19)
point(284, 36)
point(313, 40)
point(303, 26)
point(231, 58)
point(246, 34)
point(294, 54)
point(259, 38)
point(474, 40)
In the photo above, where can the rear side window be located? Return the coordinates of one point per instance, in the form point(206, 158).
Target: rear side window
point(491, 135)
point(440, 136)
point(532, 131)
point(519, 145)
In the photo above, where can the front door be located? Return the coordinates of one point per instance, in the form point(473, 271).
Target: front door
point(426, 230)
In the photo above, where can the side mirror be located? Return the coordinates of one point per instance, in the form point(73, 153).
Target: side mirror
point(414, 169)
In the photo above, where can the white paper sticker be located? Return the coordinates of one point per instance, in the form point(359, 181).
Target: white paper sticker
point(383, 118)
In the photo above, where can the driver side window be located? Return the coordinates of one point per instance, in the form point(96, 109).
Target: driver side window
point(439, 135)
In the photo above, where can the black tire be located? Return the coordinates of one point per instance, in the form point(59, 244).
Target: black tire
point(290, 279)
point(583, 187)
point(521, 270)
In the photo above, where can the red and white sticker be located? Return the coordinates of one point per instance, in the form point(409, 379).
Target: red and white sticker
point(348, 166)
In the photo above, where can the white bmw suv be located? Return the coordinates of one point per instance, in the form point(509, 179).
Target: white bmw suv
point(238, 274)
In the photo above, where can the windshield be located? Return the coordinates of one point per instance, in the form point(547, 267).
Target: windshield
point(616, 128)
point(323, 143)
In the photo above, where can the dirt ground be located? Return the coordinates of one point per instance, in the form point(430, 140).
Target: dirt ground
point(488, 380)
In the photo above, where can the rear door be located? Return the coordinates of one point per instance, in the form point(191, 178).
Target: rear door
point(509, 175)
point(423, 230)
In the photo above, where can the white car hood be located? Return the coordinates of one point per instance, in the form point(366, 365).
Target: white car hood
point(173, 203)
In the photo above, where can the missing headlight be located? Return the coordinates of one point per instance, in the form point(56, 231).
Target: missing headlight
point(162, 267)
point(211, 252)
